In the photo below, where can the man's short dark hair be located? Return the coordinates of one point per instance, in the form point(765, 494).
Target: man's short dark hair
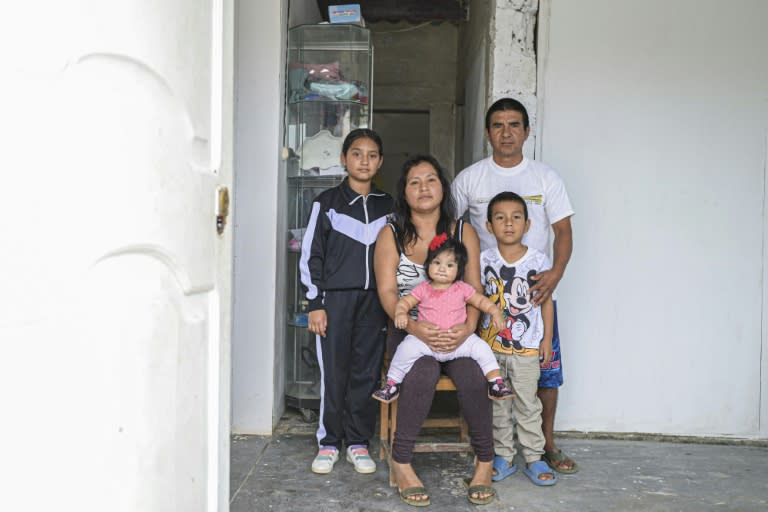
point(506, 104)
point(506, 196)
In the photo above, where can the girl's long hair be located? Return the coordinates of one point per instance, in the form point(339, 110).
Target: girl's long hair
point(406, 231)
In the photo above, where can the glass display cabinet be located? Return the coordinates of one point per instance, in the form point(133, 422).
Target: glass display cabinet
point(328, 94)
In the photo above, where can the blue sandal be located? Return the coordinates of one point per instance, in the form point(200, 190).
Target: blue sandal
point(502, 469)
point(537, 469)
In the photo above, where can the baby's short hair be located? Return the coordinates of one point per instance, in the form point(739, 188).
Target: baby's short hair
point(454, 246)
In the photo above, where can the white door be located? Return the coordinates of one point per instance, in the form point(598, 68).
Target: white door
point(114, 316)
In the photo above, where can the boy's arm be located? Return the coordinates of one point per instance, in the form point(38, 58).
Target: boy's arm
point(402, 308)
point(486, 305)
point(548, 316)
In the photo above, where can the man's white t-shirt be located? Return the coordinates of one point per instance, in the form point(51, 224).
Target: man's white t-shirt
point(541, 187)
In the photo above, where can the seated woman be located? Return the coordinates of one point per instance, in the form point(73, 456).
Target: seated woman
point(423, 208)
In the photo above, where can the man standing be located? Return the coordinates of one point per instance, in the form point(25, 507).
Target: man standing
point(507, 128)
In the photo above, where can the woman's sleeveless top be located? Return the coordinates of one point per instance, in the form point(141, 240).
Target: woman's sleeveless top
point(410, 274)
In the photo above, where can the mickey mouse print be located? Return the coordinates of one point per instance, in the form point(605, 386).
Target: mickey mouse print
point(508, 285)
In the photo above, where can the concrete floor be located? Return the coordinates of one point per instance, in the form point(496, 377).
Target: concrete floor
point(272, 474)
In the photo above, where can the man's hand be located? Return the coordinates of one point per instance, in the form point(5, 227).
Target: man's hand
point(317, 322)
point(562, 247)
point(546, 282)
point(545, 351)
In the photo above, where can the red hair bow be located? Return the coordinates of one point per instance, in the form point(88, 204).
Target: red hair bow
point(437, 241)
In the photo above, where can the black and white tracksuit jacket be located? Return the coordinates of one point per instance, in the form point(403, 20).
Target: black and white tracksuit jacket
point(337, 248)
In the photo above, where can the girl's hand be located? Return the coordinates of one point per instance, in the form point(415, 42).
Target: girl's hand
point(545, 351)
point(401, 320)
point(317, 322)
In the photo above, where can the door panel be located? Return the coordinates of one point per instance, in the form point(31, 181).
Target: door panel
point(117, 292)
point(154, 343)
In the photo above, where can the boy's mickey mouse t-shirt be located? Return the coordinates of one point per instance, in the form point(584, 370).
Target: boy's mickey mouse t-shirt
point(507, 285)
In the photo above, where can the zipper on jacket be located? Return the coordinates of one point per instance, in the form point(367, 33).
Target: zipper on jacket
point(367, 246)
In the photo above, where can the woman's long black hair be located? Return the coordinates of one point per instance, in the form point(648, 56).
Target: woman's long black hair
point(406, 231)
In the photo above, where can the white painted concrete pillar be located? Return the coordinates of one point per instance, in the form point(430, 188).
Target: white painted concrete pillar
point(512, 70)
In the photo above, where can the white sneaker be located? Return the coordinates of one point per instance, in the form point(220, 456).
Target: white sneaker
point(358, 455)
point(325, 459)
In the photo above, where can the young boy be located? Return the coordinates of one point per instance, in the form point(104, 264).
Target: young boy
point(344, 311)
point(525, 340)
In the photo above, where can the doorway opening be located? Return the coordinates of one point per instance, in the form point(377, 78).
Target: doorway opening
point(406, 133)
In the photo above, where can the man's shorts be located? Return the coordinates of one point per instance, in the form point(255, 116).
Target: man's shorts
point(552, 372)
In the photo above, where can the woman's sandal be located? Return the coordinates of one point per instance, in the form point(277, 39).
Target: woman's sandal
point(408, 494)
point(479, 489)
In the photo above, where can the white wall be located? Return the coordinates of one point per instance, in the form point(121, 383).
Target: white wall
point(257, 343)
point(655, 113)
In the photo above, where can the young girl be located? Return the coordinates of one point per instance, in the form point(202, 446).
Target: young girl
point(442, 300)
point(344, 311)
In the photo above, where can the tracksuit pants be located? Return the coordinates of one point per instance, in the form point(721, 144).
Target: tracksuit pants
point(350, 357)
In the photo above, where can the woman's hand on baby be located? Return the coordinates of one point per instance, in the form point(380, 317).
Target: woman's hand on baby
point(317, 321)
point(427, 332)
point(450, 339)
